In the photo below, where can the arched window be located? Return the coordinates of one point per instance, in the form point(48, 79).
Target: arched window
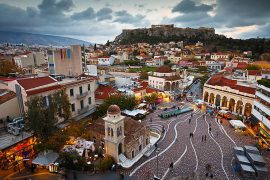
point(111, 132)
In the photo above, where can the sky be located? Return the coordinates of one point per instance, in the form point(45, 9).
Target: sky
point(100, 20)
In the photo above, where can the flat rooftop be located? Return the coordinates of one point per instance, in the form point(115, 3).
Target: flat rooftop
point(7, 139)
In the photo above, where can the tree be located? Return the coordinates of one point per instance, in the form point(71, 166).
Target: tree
point(41, 118)
point(57, 141)
point(144, 75)
point(107, 43)
point(253, 67)
point(7, 67)
point(167, 62)
point(123, 101)
point(151, 99)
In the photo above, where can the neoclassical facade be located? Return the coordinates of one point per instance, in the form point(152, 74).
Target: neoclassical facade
point(223, 92)
point(165, 79)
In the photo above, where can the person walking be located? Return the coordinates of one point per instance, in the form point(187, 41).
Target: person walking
point(189, 120)
point(171, 166)
point(205, 138)
point(210, 129)
point(217, 133)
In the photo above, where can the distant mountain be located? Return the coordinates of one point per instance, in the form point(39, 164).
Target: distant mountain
point(37, 39)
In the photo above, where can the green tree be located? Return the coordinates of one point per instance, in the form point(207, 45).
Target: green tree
point(39, 118)
point(144, 75)
point(107, 43)
point(167, 62)
point(253, 67)
point(123, 101)
point(57, 141)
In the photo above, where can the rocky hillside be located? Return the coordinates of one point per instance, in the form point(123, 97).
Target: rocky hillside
point(164, 33)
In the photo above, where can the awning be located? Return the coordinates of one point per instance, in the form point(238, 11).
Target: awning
point(46, 158)
point(264, 132)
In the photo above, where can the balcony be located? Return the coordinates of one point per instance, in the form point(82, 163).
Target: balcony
point(82, 95)
point(83, 110)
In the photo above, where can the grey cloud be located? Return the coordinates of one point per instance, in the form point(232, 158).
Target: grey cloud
point(32, 11)
point(125, 17)
point(87, 14)
point(188, 6)
point(104, 14)
point(53, 7)
point(229, 13)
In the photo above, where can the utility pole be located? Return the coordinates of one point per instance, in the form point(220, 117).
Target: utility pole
point(157, 152)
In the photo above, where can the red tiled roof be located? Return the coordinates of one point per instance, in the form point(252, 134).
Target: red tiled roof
point(7, 96)
point(242, 65)
point(150, 90)
point(219, 80)
point(104, 92)
point(41, 90)
point(30, 83)
point(164, 69)
point(254, 72)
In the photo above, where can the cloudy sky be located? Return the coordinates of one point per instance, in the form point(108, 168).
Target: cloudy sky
point(101, 20)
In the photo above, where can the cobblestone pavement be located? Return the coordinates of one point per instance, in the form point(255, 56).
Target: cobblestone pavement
point(190, 155)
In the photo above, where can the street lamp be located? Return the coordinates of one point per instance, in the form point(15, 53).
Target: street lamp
point(157, 152)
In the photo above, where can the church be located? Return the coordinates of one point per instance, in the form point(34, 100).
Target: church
point(122, 137)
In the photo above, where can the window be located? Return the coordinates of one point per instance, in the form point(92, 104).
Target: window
point(132, 154)
point(45, 101)
point(71, 92)
point(111, 132)
point(140, 147)
point(81, 102)
point(89, 100)
point(80, 88)
point(72, 107)
point(89, 87)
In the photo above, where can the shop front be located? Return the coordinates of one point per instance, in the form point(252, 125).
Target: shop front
point(17, 153)
point(264, 136)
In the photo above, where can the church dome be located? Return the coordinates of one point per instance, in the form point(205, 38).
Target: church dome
point(114, 109)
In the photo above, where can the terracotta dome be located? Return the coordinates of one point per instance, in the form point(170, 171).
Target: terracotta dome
point(113, 109)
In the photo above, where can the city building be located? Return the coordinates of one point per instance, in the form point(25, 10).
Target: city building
point(80, 92)
point(65, 61)
point(165, 79)
point(123, 138)
point(8, 104)
point(217, 56)
point(106, 61)
point(260, 117)
point(236, 96)
point(30, 59)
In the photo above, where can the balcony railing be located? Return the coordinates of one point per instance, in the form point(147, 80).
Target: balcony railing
point(83, 110)
point(82, 95)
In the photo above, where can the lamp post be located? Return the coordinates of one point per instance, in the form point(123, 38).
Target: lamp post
point(157, 152)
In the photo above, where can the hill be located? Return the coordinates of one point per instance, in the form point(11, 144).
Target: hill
point(37, 39)
point(212, 41)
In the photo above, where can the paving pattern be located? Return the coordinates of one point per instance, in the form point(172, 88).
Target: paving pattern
point(190, 155)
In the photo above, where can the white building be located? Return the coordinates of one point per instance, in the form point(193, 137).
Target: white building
point(261, 111)
point(165, 79)
point(30, 59)
point(236, 96)
point(80, 93)
point(106, 61)
point(217, 56)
